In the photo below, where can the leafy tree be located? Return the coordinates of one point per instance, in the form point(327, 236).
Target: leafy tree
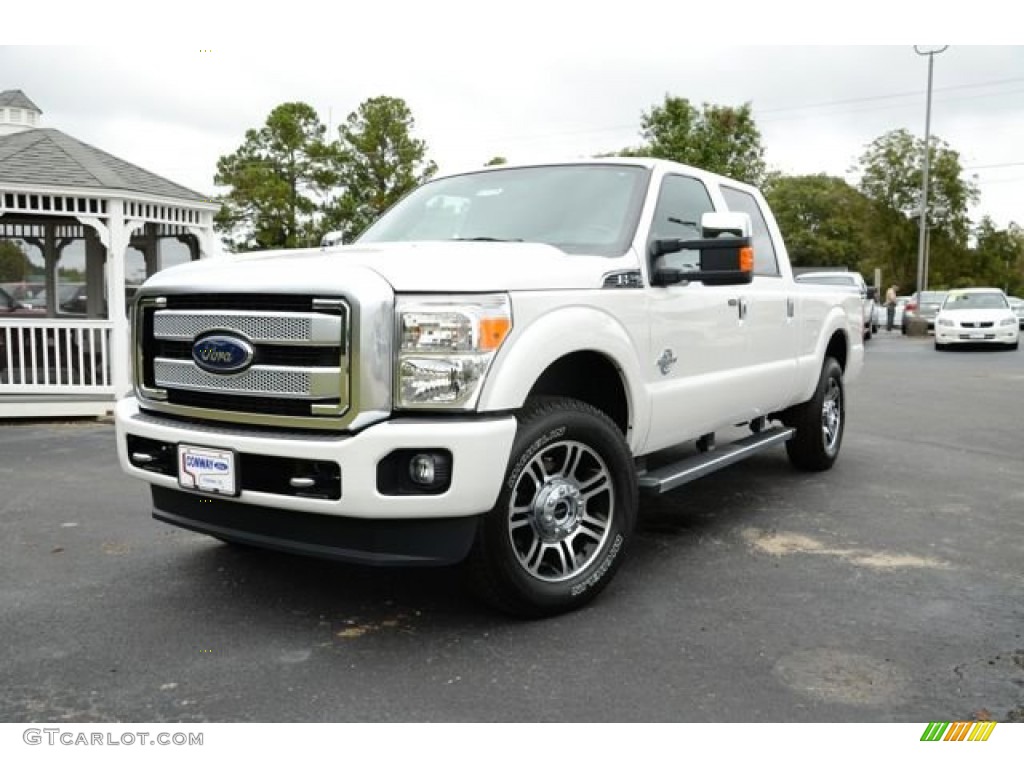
point(14, 263)
point(274, 178)
point(378, 162)
point(997, 258)
point(717, 138)
point(890, 173)
point(825, 222)
point(496, 160)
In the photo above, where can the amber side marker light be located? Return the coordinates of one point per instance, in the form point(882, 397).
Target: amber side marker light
point(747, 259)
point(493, 331)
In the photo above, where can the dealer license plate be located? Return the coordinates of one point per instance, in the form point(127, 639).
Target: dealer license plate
point(977, 335)
point(211, 470)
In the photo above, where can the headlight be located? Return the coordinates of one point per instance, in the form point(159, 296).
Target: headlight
point(445, 348)
point(1008, 321)
point(945, 321)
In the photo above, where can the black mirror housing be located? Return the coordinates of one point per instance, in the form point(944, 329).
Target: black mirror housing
point(723, 261)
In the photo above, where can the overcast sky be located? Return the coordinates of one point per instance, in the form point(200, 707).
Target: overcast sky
point(495, 82)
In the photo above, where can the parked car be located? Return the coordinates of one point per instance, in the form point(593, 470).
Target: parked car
point(70, 299)
point(976, 316)
point(1017, 305)
point(927, 306)
point(11, 307)
point(21, 338)
point(882, 316)
point(855, 282)
point(23, 291)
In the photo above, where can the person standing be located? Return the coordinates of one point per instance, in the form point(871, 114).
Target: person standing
point(890, 307)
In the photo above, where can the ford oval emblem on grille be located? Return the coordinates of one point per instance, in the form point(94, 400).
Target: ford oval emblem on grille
point(222, 354)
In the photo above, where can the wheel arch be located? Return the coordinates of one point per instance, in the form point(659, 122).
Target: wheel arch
point(577, 352)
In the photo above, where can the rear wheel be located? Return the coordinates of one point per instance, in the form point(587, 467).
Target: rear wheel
point(566, 509)
point(819, 422)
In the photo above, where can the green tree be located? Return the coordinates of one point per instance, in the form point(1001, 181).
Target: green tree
point(717, 138)
point(997, 258)
point(825, 222)
point(890, 172)
point(274, 178)
point(496, 160)
point(14, 263)
point(379, 161)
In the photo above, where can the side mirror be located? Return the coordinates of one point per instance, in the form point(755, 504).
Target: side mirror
point(872, 293)
point(726, 252)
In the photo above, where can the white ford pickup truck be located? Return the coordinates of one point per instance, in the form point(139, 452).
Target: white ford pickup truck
point(487, 374)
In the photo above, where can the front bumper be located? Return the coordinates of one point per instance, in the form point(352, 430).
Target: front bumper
point(1005, 334)
point(479, 448)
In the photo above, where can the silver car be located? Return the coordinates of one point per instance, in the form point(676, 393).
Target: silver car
point(1017, 305)
point(926, 307)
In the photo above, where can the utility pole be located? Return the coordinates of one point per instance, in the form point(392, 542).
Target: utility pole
point(922, 245)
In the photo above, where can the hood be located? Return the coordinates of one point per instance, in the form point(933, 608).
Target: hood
point(422, 267)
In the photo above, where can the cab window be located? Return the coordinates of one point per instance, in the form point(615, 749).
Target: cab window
point(682, 200)
point(765, 260)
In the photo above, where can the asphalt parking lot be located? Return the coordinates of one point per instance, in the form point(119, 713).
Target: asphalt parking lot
point(888, 589)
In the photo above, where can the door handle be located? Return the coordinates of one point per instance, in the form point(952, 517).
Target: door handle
point(790, 307)
point(741, 305)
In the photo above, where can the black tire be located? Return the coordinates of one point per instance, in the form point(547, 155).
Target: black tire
point(941, 347)
point(1014, 346)
point(547, 547)
point(819, 423)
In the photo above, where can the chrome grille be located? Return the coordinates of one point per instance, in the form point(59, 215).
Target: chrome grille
point(300, 376)
point(262, 327)
point(258, 380)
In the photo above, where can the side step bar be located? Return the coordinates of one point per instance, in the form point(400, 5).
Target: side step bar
point(671, 476)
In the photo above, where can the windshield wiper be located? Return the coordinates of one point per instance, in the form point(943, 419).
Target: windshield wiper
point(691, 224)
point(488, 239)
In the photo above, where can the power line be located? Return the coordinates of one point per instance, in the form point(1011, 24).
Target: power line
point(794, 108)
point(993, 165)
point(967, 86)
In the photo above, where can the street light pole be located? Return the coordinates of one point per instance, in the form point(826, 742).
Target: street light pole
point(922, 243)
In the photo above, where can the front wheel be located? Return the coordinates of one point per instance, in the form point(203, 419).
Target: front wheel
point(566, 509)
point(819, 422)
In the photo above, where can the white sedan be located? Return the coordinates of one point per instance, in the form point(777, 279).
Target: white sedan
point(976, 316)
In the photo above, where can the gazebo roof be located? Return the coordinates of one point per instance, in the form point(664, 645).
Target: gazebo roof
point(18, 100)
point(46, 157)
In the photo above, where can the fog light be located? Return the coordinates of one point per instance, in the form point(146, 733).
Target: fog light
point(422, 469)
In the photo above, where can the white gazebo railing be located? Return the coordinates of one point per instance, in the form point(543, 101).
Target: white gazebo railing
point(56, 357)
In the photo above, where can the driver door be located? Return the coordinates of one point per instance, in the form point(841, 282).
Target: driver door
point(698, 344)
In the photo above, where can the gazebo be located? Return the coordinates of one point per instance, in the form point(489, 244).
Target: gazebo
point(92, 227)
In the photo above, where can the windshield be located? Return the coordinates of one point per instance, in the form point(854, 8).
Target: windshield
point(975, 301)
point(932, 297)
point(577, 208)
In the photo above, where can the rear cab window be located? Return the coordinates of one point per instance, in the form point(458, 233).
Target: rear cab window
point(766, 261)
